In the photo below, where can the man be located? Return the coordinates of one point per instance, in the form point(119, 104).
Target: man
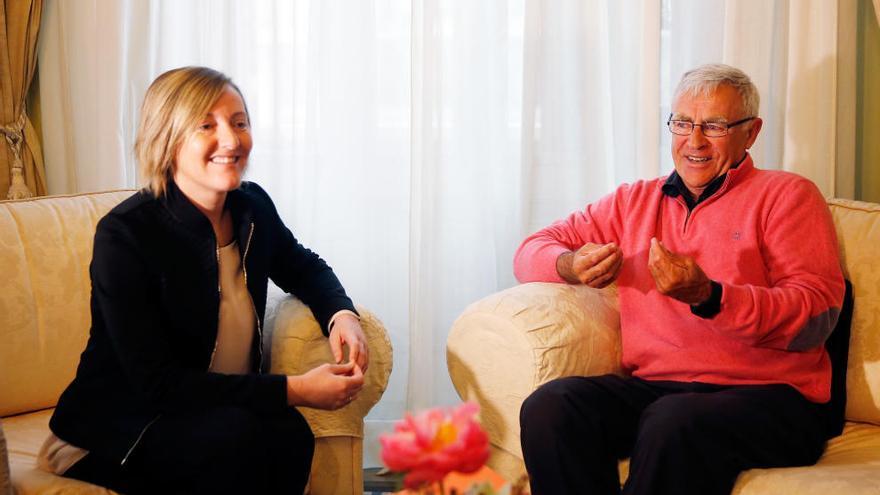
point(729, 284)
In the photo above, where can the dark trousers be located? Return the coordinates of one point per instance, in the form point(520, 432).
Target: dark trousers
point(220, 450)
point(682, 438)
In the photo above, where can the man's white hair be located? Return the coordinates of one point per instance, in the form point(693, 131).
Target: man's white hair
point(705, 79)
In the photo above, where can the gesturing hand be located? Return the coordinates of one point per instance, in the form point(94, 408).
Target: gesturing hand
point(328, 386)
point(594, 265)
point(678, 276)
point(347, 330)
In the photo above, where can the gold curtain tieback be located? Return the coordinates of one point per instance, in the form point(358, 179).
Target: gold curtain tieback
point(14, 133)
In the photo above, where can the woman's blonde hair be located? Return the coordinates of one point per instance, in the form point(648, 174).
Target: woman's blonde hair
point(174, 104)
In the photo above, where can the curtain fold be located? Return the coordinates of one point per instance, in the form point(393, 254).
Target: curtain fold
point(21, 162)
point(591, 118)
point(811, 103)
point(94, 67)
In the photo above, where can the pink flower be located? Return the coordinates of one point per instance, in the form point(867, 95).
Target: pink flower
point(433, 443)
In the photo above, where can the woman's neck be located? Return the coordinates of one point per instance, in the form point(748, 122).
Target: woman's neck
point(212, 205)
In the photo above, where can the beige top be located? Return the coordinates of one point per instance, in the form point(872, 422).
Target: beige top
point(232, 350)
point(236, 324)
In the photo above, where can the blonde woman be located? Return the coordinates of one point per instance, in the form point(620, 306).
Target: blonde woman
point(170, 394)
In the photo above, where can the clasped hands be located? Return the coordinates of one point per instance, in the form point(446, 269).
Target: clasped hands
point(675, 275)
point(331, 386)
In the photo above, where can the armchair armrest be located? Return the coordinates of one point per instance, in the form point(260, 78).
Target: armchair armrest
point(5, 476)
point(508, 344)
point(297, 345)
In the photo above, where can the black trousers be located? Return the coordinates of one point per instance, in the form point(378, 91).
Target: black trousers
point(220, 450)
point(682, 438)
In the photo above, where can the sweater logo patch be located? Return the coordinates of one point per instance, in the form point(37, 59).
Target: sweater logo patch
point(736, 236)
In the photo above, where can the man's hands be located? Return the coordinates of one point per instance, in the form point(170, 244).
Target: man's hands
point(675, 275)
point(678, 276)
point(594, 265)
point(347, 330)
point(329, 386)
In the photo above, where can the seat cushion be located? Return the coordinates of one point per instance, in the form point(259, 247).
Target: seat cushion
point(25, 434)
point(850, 466)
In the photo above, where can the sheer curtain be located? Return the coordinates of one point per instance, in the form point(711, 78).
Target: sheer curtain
point(414, 143)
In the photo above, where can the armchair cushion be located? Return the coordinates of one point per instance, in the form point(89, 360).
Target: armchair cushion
point(26, 434)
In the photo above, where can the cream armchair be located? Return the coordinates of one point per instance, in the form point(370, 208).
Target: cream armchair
point(507, 344)
point(298, 346)
point(45, 250)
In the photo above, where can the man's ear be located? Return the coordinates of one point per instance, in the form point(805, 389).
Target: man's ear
point(754, 130)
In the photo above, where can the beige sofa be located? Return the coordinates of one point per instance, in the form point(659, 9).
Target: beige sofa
point(45, 249)
point(506, 345)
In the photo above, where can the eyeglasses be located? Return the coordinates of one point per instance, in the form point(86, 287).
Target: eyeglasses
point(709, 129)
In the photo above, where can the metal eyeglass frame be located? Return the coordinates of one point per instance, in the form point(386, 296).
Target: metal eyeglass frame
point(726, 129)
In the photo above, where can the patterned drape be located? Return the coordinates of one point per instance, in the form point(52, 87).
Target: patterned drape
point(21, 160)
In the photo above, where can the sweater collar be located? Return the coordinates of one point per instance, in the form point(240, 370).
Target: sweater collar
point(674, 186)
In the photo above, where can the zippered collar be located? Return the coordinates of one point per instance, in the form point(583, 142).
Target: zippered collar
point(193, 220)
point(242, 215)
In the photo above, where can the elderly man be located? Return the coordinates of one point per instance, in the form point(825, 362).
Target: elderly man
point(729, 285)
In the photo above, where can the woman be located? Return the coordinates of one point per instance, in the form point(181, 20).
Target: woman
point(169, 395)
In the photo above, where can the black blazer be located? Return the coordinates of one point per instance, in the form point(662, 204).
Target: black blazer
point(155, 304)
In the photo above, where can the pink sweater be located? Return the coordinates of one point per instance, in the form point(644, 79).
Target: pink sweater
point(765, 236)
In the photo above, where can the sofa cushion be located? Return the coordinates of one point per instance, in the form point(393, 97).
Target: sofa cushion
point(849, 466)
point(45, 250)
point(25, 434)
point(858, 233)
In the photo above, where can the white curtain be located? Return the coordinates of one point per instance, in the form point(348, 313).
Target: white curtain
point(590, 102)
point(413, 144)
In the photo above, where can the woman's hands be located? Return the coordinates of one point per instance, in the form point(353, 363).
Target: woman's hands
point(328, 386)
point(331, 386)
point(347, 330)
